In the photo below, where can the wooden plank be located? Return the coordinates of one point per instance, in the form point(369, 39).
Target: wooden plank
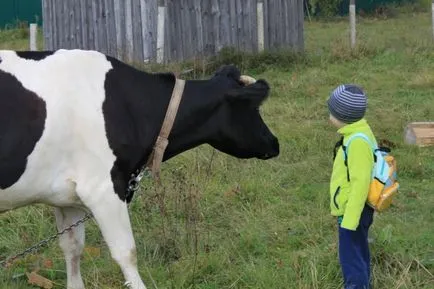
point(193, 28)
point(146, 30)
point(111, 28)
point(71, 24)
point(106, 15)
point(121, 29)
point(292, 23)
point(300, 26)
point(102, 32)
point(186, 30)
point(161, 33)
point(215, 12)
point(53, 24)
point(233, 21)
point(46, 24)
point(199, 23)
point(129, 41)
point(253, 23)
point(98, 24)
point(284, 14)
point(239, 17)
point(183, 32)
point(90, 25)
point(65, 25)
point(77, 22)
point(266, 25)
point(94, 25)
point(84, 26)
point(271, 24)
point(225, 24)
point(419, 133)
point(246, 34)
point(55, 28)
point(206, 24)
point(153, 12)
point(285, 20)
point(59, 24)
point(179, 28)
point(102, 28)
point(137, 31)
point(190, 24)
point(171, 33)
point(278, 17)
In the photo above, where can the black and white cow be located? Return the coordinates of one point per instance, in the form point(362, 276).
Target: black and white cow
point(75, 124)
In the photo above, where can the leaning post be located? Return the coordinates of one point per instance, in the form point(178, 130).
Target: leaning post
point(260, 21)
point(161, 20)
point(353, 22)
point(33, 36)
point(432, 16)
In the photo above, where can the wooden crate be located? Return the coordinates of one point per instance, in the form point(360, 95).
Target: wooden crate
point(420, 133)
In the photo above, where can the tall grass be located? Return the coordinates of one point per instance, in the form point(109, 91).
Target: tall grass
point(221, 222)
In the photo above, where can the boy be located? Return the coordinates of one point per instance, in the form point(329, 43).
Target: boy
point(349, 184)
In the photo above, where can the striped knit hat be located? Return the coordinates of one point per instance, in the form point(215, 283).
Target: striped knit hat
point(347, 103)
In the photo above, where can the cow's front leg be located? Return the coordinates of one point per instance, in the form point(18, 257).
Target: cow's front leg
point(112, 217)
point(72, 243)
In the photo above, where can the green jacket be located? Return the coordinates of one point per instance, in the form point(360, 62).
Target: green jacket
point(349, 198)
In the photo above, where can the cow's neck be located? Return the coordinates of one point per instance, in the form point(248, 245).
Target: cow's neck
point(192, 125)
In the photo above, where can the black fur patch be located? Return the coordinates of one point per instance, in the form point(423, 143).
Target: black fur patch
point(22, 121)
point(34, 55)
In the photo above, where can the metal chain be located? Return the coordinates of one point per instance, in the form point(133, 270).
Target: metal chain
point(44, 242)
point(133, 185)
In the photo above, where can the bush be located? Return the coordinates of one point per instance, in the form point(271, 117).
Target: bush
point(326, 8)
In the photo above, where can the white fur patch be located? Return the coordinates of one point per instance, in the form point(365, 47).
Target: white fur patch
point(73, 148)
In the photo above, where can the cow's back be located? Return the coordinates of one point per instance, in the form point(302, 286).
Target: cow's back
point(52, 125)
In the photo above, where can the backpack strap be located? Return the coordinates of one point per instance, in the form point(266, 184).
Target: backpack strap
point(346, 146)
point(338, 144)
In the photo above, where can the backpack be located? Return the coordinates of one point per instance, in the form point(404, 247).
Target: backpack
point(384, 184)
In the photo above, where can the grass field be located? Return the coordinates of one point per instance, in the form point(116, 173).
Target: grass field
point(253, 224)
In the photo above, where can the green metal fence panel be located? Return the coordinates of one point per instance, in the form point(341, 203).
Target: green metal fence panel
point(368, 5)
point(7, 12)
point(12, 11)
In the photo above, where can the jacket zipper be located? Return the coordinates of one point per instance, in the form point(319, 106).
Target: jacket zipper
point(334, 197)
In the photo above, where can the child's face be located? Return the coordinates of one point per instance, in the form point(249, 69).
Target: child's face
point(337, 123)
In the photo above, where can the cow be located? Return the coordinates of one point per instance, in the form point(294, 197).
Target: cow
point(76, 124)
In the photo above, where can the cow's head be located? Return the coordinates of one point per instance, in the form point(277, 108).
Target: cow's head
point(224, 112)
point(241, 131)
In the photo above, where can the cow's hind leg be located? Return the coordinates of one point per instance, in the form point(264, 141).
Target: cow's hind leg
point(112, 217)
point(72, 243)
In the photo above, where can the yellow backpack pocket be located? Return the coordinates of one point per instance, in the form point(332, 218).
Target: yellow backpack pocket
point(384, 185)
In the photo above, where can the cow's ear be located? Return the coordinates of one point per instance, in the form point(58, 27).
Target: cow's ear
point(253, 94)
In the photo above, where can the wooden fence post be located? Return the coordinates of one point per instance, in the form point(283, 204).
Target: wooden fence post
point(160, 31)
point(261, 36)
point(432, 16)
point(33, 36)
point(353, 22)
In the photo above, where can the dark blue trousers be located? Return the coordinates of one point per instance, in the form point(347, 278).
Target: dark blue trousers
point(354, 253)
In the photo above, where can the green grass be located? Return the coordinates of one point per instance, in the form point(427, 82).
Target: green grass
point(253, 224)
